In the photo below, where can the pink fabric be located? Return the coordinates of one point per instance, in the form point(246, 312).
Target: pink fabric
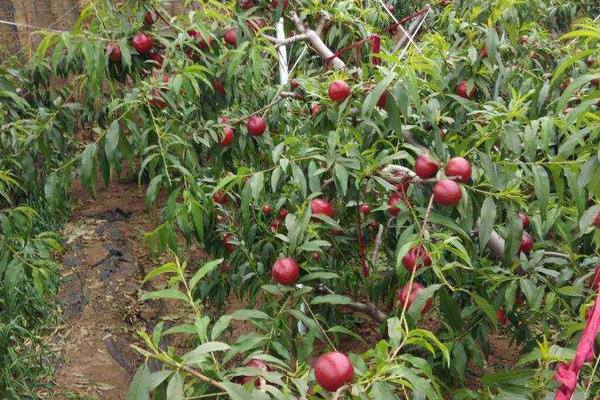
point(567, 374)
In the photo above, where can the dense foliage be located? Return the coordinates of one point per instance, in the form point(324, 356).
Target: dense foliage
point(495, 107)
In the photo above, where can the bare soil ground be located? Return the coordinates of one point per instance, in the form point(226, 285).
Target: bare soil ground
point(103, 268)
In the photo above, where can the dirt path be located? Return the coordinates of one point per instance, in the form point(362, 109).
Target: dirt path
point(104, 264)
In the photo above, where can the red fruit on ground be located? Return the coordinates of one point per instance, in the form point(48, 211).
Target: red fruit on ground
point(458, 167)
point(256, 125)
point(484, 53)
point(333, 370)
point(157, 58)
point(446, 193)
point(320, 206)
point(258, 364)
point(219, 87)
point(596, 221)
point(114, 52)
point(409, 300)
point(462, 90)
point(425, 167)
point(149, 19)
point(315, 110)
point(526, 243)
point(283, 213)
point(142, 43)
point(230, 37)
point(285, 271)
point(266, 209)
point(338, 91)
point(364, 209)
point(220, 197)
point(227, 137)
point(524, 219)
point(416, 257)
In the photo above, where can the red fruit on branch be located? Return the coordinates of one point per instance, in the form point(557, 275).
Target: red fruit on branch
point(596, 221)
point(275, 225)
point(285, 271)
point(416, 289)
point(416, 258)
point(320, 206)
point(382, 100)
point(275, 3)
point(524, 219)
point(227, 136)
point(256, 125)
point(266, 209)
point(526, 243)
point(565, 84)
point(458, 167)
point(425, 167)
point(338, 91)
point(201, 42)
point(142, 43)
point(220, 197)
point(230, 37)
point(315, 110)
point(317, 256)
point(333, 370)
point(590, 61)
point(596, 279)
point(283, 213)
point(157, 58)
point(502, 318)
point(462, 90)
point(484, 53)
point(402, 188)
point(219, 87)
point(149, 19)
point(114, 52)
point(225, 266)
point(392, 202)
point(227, 242)
point(364, 209)
point(256, 24)
point(390, 7)
point(258, 364)
point(294, 84)
point(595, 82)
point(221, 219)
point(247, 4)
point(446, 193)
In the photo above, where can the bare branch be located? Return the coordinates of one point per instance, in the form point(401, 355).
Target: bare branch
point(317, 43)
point(377, 245)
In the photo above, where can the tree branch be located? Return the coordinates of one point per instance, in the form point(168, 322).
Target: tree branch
point(366, 308)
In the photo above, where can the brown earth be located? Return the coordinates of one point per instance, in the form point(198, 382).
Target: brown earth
point(103, 269)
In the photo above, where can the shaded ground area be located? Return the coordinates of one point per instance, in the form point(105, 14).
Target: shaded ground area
point(103, 268)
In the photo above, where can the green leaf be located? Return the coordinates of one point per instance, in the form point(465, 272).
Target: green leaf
point(88, 175)
point(163, 269)
point(165, 294)
point(486, 308)
point(382, 391)
point(112, 141)
point(202, 272)
point(541, 184)
point(341, 178)
point(152, 190)
point(201, 351)
point(451, 310)
point(332, 299)
point(236, 392)
point(257, 183)
point(486, 222)
point(175, 387)
point(373, 97)
point(140, 385)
